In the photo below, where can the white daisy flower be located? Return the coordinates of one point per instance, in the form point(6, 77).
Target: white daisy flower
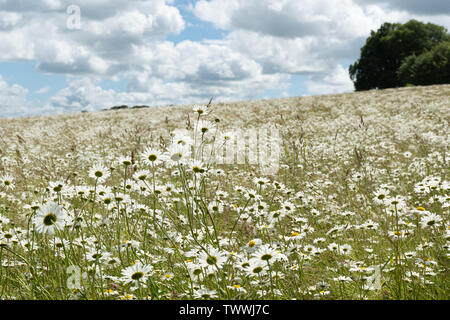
point(7, 182)
point(213, 257)
point(151, 156)
point(136, 274)
point(99, 173)
point(49, 217)
point(431, 220)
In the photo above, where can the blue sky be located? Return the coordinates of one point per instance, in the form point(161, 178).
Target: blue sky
point(160, 52)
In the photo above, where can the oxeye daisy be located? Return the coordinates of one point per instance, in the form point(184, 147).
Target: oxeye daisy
point(215, 207)
point(309, 248)
point(179, 152)
point(136, 274)
point(182, 138)
point(251, 194)
point(4, 220)
point(288, 206)
point(294, 236)
point(345, 249)
point(204, 293)
point(127, 297)
point(197, 167)
point(213, 257)
point(112, 262)
point(98, 255)
point(204, 126)
point(111, 292)
point(57, 186)
point(256, 267)
point(141, 175)
point(266, 253)
point(167, 277)
point(49, 217)
point(151, 156)
point(370, 225)
point(261, 182)
point(218, 172)
point(201, 110)
point(7, 182)
point(237, 288)
point(253, 245)
point(278, 214)
point(57, 243)
point(430, 220)
point(380, 195)
point(125, 160)
point(99, 173)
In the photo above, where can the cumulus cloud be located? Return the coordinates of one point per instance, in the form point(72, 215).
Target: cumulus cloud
point(42, 90)
point(9, 19)
point(13, 99)
point(335, 82)
point(81, 94)
point(87, 93)
point(287, 18)
point(423, 7)
point(266, 42)
point(108, 31)
point(308, 37)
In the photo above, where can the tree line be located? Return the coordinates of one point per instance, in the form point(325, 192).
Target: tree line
point(398, 55)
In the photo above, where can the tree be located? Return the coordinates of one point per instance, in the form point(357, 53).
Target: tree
point(431, 67)
point(386, 50)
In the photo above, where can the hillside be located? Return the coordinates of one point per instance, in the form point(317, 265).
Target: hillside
point(361, 182)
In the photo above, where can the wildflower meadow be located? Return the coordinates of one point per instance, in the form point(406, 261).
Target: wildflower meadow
point(318, 197)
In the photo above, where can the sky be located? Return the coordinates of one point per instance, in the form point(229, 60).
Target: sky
point(63, 56)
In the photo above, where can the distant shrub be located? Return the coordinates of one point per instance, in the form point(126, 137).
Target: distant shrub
point(140, 107)
point(119, 107)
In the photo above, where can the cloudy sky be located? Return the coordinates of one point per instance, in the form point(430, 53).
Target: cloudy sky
point(61, 56)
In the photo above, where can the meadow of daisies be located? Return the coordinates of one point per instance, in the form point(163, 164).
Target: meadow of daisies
point(131, 204)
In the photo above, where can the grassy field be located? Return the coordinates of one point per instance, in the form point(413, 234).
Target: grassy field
point(127, 205)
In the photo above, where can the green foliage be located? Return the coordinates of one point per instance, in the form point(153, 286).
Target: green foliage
point(119, 107)
point(431, 67)
point(140, 107)
point(389, 48)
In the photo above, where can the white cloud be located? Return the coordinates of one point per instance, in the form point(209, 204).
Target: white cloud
point(288, 18)
point(13, 99)
point(266, 42)
point(87, 94)
point(81, 94)
point(108, 31)
point(9, 19)
point(335, 82)
point(428, 7)
point(309, 37)
point(42, 90)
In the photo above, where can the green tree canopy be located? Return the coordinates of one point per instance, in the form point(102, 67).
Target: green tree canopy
point(394, 46)
point(431, 67)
